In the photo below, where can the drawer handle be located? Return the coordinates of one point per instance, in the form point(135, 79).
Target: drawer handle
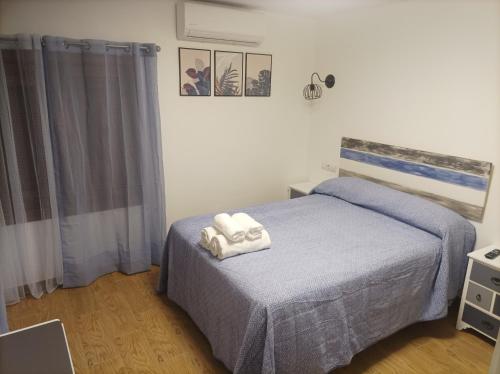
point(495, 281)
point(478, 297)
point(487, 325)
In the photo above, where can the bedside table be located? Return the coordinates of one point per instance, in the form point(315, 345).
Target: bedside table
point(480, 304)
point(301, 189)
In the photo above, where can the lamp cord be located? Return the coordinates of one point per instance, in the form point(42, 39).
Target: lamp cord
point(312, 75)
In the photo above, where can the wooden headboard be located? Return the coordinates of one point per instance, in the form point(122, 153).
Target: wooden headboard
point(457, 183)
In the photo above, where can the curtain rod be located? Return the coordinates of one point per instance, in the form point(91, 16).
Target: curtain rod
point(84, 44)
point(123, 46)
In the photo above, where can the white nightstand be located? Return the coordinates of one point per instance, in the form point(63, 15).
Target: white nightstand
point(301, 189)
point(304, 188)
point(480, 304)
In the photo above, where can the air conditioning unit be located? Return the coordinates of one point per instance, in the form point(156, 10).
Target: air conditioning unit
point(219, 24)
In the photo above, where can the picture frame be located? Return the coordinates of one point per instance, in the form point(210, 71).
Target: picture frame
point(195, 72)
point(228, 73)
point(258, 74)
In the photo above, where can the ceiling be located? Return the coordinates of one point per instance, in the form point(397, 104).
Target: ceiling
point(312, 8)
point(303, 7)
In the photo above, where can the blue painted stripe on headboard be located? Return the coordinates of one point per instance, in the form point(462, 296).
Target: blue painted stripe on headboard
point(443, 175)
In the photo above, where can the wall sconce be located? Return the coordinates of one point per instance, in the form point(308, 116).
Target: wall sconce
point(313, 91)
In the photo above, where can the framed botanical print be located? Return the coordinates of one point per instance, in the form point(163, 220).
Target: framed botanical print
point(195, 72)
point(258, 68)
point(228, 72)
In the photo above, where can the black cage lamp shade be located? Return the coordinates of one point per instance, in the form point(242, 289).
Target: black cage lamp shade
point(313, 91)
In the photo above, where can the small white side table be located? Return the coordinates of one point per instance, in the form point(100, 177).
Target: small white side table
point(301, 189)
point(480, 303)
point(305, 188)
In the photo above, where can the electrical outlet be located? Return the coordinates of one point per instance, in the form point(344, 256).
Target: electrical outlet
point(329, 166)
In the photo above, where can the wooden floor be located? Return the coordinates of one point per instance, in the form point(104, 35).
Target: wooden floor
point(119, 325)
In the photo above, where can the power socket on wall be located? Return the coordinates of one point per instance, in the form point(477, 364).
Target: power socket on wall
point(329, 166)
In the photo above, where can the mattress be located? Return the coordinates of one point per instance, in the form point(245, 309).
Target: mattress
point(349, 265)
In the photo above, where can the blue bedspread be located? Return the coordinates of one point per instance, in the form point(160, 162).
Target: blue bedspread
point(349, 265)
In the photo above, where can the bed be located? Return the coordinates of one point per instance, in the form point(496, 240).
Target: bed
point(350, 264)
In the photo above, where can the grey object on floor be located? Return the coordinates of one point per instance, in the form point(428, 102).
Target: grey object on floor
point(349, 265)
point(40, 349)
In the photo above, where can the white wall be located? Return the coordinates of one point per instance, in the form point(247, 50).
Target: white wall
point(219, 153)
point(421, 74)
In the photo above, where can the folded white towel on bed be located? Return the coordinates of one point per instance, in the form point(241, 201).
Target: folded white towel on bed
point(253, 229)
point(206, 236)
point(231, 229)
point(223, 248)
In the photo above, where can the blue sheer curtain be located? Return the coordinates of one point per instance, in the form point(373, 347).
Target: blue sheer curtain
point(30, 248)
point(105, 125)
point(81, 174)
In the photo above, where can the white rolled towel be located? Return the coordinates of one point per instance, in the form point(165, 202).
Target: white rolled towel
point(253, 229)
point(223, 248)
point(231, 229)
point(206, 236)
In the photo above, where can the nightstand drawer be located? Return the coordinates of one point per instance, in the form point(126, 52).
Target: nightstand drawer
point(487, 277)
point(481, 321)
point(479, 296)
